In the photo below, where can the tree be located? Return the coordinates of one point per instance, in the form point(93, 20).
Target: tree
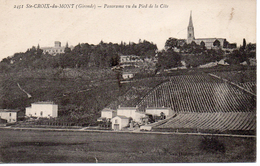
point(225, 43)
point(67, 49)
point(169, 59)
point(202, 44)
point(216, 43)
point(236, 57)
point(171, 43)
point(244, 43)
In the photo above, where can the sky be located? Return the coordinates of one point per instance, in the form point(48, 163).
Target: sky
point(26, 27)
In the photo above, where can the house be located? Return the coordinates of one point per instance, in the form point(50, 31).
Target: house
point(107, 114)
point(42, 109)
point(132, 113)
point(127, 75)
point(9, 115)
point(119, 122)
point(57, 49)
point(157, 111)
point(126, 111)
point(129, 58)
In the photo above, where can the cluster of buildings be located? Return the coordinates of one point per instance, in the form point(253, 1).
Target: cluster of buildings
point(37, 110)
point(124, 116)
point(209, 42)
point(121, 118)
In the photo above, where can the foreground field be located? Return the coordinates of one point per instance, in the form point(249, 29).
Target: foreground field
point(84, 147)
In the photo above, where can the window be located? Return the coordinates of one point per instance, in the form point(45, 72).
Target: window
point(41, 113)
point(116, 121)
point(35, 113)
point(9, 120)
point(10, 114)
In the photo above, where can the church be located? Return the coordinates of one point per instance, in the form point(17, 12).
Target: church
point(207, 41)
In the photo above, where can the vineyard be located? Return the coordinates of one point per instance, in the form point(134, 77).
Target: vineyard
point(198, 93)
point(245, 79)
point(220, 121)
point(203, 102)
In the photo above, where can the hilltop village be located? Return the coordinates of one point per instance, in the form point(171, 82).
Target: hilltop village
point(186, 87)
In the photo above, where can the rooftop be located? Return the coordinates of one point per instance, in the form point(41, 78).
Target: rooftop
point(9, 110)
point(208, 38)
point(44, 102)
point(158, 108)
point(108, 110)
point(122, 117)
point(127, 108)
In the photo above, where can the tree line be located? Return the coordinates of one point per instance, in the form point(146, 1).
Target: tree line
point(83, 55)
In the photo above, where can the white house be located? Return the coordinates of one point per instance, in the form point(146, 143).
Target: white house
point(42, 109)
point(126, 111)
point(107, 113)
point(9, 115)
point(127, 75)
point(156, 111)
point(119, 122)
point(129, 58)
point(131, 112)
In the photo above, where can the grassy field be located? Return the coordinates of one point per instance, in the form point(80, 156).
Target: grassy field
point(87, 147)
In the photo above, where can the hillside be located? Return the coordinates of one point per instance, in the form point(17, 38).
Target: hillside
point(198, 93)
point(203, 103)
point(85, 92)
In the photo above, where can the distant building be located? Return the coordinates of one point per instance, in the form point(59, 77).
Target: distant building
point(9, 115)
point(252, 61)
point(127, 75)
point(107, 114)
point(119, 122)
point(156, 111)
point(57, 49)
point(126, 111)
point(129, 58)
point(131, 112)
point(42, 109)
point(209, 42)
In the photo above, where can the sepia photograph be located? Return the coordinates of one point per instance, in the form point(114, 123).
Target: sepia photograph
point(128, 81)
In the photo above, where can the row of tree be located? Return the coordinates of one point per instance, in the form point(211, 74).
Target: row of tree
point(84, 55)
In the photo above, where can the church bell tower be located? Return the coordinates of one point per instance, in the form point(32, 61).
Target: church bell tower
point(190, 36)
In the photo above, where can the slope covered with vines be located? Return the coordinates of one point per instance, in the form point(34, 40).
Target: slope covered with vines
point(199, 93)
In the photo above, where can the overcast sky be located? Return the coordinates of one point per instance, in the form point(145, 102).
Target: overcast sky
point(27, 27)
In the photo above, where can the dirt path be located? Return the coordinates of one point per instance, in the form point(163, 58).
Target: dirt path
point(134, 131)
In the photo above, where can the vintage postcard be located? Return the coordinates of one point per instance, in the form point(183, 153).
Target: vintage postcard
point(120, 81)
